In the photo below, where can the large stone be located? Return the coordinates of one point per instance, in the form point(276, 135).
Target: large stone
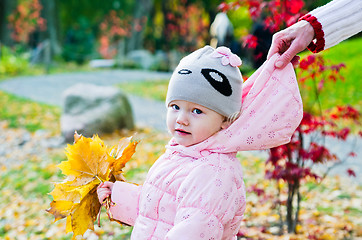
point(91, 109)
point(143, 58)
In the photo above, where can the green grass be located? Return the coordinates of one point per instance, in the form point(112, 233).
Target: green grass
point(149, 89)
point(33, 178)
point(326, 210)
point(347, 91)
point(40, 69)
point(20, 112)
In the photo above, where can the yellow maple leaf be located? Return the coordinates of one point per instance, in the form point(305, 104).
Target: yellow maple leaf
point(89, 162)
point(122, 153)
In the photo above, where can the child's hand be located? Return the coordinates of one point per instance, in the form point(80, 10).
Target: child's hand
point(104, 190)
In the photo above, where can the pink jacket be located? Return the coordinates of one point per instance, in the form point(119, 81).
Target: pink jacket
point(198, 192)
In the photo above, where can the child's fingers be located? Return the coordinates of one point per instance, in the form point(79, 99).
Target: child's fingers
point(104, 190)
point(108, 185)
point(100, 185)
point(103, 194)
point(105, 185)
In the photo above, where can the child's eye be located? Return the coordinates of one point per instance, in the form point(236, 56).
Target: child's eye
point(197, 111)
point(175, 107)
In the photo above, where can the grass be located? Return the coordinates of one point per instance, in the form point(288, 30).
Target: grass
point(54, 68)
point(347, 91)
point(20, 112)
point(32, 178)
point(149, 89)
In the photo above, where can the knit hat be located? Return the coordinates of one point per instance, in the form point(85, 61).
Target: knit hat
point(208, 77)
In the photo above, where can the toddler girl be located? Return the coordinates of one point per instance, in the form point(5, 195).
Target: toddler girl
point(195, 190)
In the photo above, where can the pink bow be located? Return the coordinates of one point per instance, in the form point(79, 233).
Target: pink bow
point(227, 57)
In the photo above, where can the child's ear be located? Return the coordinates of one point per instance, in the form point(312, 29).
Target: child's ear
point(225, 124)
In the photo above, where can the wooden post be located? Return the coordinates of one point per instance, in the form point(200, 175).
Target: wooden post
point(120, 53)
point(47, 56)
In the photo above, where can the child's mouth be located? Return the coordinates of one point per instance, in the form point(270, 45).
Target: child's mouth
point(181, 132)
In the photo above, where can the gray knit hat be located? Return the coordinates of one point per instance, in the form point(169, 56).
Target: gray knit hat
point(208, 77)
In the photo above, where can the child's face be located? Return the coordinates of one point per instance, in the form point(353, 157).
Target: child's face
point(190, 123)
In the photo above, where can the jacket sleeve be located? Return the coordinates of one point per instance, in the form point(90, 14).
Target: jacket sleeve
point(211, 205)
point(334, 22)
point(126, 198)
point(271, 110)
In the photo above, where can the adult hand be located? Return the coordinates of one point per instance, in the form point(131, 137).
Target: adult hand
point(104, 190)
point(290, 41)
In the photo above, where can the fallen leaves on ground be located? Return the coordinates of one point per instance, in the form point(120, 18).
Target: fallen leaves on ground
point(331, 210)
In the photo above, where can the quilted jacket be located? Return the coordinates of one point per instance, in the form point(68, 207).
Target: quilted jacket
point(198, 192)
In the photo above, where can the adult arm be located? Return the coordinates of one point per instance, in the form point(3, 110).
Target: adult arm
point(334, 22)
point(320, 29)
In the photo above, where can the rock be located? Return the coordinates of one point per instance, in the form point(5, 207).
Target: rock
point(102, 63)
point(174, 58)
point(161, 62)
point(91, 109)
point(143, 58)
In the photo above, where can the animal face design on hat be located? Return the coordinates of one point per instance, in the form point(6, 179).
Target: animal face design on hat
point(209, 77)
point(216, 78)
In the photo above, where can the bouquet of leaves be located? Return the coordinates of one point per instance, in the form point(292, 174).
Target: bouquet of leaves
point(89, 162)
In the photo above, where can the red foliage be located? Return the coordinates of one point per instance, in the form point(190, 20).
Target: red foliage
point(279, 13)
point(254, 188)
point(26, 19)
point(250, 41)
point(186, 28)
point(351, 172)
point(293, 162)
point(314, 67)
point(344, 112)
point(288, 162)
point(112, 29)
point(306, 62)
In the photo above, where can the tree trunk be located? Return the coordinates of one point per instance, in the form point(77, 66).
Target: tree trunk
point(50, 14)
point(289, 217)
point(141, 15)
point(6, 8)
point(293, 190)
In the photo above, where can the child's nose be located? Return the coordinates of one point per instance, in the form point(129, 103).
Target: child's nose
point(182, 119)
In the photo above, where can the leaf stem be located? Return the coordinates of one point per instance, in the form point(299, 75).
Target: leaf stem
point(98, 178)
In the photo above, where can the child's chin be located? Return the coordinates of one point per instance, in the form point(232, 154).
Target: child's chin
point(184, 143)
point(187, 144)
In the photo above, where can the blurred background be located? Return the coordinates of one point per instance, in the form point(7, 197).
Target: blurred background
point(47, 46)
point(52, 32)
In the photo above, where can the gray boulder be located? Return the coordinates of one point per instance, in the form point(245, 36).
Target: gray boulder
point(90, 109)
point(143, 58)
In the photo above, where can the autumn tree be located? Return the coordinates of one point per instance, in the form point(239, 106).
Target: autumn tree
point(294, 163)
point(26, 19)
point(113, 30)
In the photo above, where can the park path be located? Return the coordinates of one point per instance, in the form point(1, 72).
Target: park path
point(49, 88)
